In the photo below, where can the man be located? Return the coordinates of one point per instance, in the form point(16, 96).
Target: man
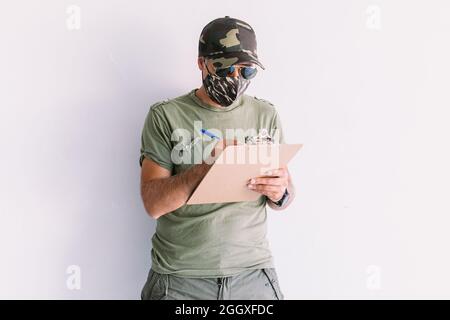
point(219, 250)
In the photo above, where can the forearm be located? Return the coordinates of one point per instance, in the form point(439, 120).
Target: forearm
point(161, 196)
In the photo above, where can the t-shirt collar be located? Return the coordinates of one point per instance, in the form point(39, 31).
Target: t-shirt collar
point(235, 104)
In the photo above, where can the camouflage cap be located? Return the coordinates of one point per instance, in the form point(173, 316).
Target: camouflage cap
point(227, 41)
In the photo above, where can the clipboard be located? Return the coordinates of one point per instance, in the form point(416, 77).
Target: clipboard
point(226, 180)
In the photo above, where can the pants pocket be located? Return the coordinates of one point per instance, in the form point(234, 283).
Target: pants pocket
point(155, 287)
point(272, 276)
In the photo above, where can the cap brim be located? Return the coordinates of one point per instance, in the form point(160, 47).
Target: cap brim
point(241, 57)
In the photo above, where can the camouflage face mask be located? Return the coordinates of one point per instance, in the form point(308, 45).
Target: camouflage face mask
point(224, 90)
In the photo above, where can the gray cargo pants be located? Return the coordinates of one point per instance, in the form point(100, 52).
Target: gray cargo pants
point(252, 284)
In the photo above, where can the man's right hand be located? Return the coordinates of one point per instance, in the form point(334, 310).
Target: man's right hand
point(218, 148)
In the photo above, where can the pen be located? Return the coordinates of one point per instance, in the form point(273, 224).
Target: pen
point(209, 134)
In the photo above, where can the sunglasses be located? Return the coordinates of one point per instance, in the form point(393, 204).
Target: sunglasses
point(244, 71)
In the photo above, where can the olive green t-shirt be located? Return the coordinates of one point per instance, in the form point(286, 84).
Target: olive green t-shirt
point(207, 240)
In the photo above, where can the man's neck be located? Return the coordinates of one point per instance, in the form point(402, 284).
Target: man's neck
point(203, 96)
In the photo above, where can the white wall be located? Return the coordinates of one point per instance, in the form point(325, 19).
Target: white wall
point(362, 84)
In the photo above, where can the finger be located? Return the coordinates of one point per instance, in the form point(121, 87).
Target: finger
point(274, 196)
point(266, 193)
point(216, 151)
point(280, 172)
point(269, 181)
point(264, 188)
point(228, 142)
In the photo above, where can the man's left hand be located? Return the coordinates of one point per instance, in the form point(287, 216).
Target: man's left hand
point(272, 185)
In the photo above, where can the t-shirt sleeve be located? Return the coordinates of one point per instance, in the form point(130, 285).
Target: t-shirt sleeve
point(155, 140)
point(277, 129)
